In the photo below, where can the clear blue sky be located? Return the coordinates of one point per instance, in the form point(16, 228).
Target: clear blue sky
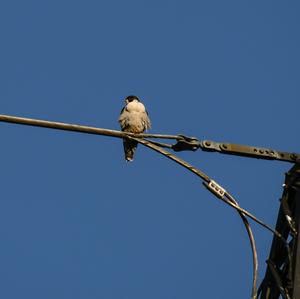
point(78, 222)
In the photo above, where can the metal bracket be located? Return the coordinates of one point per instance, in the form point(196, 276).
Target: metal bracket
point(249, 151)
point(185, 143)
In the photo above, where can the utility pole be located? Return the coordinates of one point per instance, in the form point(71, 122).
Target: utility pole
point(282, 276)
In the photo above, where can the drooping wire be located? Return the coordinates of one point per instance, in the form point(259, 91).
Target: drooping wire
point(231, 201)
point(228, 199)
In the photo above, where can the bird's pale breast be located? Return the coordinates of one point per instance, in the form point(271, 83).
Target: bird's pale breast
point(134, 118)
point(135, 107)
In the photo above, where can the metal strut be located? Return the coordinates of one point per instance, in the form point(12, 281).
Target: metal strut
point(192, 143)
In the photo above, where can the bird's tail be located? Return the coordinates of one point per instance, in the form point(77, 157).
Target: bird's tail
point(129, 149)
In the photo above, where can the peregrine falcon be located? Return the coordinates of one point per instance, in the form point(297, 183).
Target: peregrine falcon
point(134, 119)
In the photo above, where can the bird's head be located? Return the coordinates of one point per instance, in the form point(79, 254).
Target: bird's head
point(131, 98)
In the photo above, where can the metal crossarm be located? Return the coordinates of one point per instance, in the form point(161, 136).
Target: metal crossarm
point(249, 151)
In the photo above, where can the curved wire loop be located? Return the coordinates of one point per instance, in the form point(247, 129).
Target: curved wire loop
point(229, 200)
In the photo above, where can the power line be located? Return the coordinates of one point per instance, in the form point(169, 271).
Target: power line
point(183, 142)
point(77, 128)
point(187, 143)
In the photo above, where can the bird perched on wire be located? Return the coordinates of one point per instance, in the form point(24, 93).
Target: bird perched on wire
point(134, 119)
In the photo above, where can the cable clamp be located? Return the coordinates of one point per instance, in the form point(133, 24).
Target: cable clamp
point(215, 188)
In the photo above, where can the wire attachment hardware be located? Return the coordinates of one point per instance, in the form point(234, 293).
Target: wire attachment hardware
point(215, 188)
point(185, 143)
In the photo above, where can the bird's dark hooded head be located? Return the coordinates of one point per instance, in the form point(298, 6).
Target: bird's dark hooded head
point(131, 98)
